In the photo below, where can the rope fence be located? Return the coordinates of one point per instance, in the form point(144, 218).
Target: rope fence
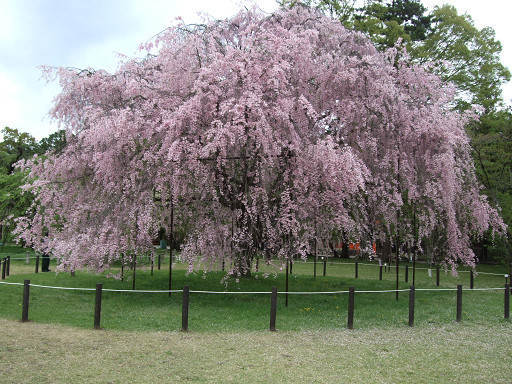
point(387, 267)
point(391, 266)
point(273, 303)
point(252, 292)
point(5, 267)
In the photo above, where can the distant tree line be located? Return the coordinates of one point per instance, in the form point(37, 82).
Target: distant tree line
point(15, 147)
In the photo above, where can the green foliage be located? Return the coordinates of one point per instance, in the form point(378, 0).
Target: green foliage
point(13, 201)
point(385, 23)
point(16, 146)
point(492, 144)
point(376, 23)
point(56, 141)
point(491, 138)
point(466, 56)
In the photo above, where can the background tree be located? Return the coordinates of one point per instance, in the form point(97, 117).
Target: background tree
point(387, 22)
point(491, 139)
point(14, 147)
point(56, 141)
point(465, 56)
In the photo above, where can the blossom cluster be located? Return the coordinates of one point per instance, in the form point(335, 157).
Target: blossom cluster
point(255, 135)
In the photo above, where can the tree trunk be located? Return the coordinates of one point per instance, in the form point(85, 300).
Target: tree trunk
point(243, 263)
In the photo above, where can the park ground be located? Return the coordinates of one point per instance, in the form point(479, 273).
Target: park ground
point(453, 353)
point(229, 341)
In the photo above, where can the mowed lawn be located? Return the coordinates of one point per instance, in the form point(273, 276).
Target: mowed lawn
point(453, 353)
point(240, 310)
point(228, 339)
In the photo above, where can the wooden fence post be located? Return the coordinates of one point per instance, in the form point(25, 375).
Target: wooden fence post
point(412, 293)
point(97, 306)
point(37, 263)
point(397, 271)
point(286, 295)
point(134, 268)
point(437, 276)
point(380, 272)
point(414, 268)
point(471, 280)
point(350, 321)
point(273, 309)
point(184, 309)
point(4, 267)
point(406, 273)
point(459, 303)
point(26, 293)
point(159, 261)
point(8, 265)
point(325, 264)
point(507, 301)
point(314, 267)
point(356, 270)
point(170, 272)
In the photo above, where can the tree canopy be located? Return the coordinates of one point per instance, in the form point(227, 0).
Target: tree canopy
point(257, 134)
point(455, 48)
point(16, 146)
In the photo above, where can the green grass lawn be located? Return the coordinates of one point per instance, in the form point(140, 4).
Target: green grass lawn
point(250, 312)
point(228, 340)
point(440, 353)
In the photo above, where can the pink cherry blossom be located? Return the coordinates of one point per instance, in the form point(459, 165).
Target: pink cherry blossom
point(255, 135)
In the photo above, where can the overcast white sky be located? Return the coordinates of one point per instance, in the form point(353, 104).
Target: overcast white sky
point(71, 33)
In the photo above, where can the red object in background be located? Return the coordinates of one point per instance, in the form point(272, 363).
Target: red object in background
point(355, 246)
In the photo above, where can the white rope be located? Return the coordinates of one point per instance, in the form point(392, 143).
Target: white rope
point(64, 288)
point(483, 289)
point(490, 273)
point(435, 289)
point(433, 268)
point(279, 292)
point(464, 289)
point(142, 291)
point(232, 293)
point(314, 293)
point(257, 293)
point(385, 291)
point(332, 263)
